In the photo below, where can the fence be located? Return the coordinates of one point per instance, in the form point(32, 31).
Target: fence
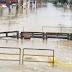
point(33, 34)
point(58, 32)
point(10, 54)
point(57, 35)
point(23, 56)
point(58, 29)
point(6, 33)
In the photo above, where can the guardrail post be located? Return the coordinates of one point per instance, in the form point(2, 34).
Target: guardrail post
point(68, 36)
point(6, 34)
point(21, 35)
point(53, 58)
point(17, 34)
point(46, 36)
point(43, 36)
point(71, 36)
point(20, 57)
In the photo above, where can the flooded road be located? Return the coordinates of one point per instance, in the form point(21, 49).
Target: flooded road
point(46, 16)
point(63, 55)
point(35, 19)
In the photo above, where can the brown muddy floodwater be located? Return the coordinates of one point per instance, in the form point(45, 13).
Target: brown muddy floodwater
point(37, 20)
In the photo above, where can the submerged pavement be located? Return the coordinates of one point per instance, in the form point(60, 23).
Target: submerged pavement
point(63, 55)
point(34, 20)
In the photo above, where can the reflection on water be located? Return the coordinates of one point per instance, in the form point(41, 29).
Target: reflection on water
point(33, 20)
point(62, 48)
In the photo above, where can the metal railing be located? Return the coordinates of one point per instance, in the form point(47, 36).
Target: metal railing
point(57, 35)
point(6, 34)
point(57, 32)
point(44, 35)
point(56, 29)
point(23, 56)
point(33, 34)
point(14, 54)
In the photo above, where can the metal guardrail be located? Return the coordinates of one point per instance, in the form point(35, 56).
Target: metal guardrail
point(16, 54)
point(6, 33)
point(57, 32)
point(56, 29)
point(57, 35)
point(33, 34)
point(21, 56)
point(37, 55)
point(43, 35)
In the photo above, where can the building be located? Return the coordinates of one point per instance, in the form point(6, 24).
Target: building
point(14, 1)
point(4, 1)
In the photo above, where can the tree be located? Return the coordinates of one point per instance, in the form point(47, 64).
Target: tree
point(63, 1)
point(57, 0)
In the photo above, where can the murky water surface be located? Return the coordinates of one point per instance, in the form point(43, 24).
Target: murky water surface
point(33, 20)
point(44, 19)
